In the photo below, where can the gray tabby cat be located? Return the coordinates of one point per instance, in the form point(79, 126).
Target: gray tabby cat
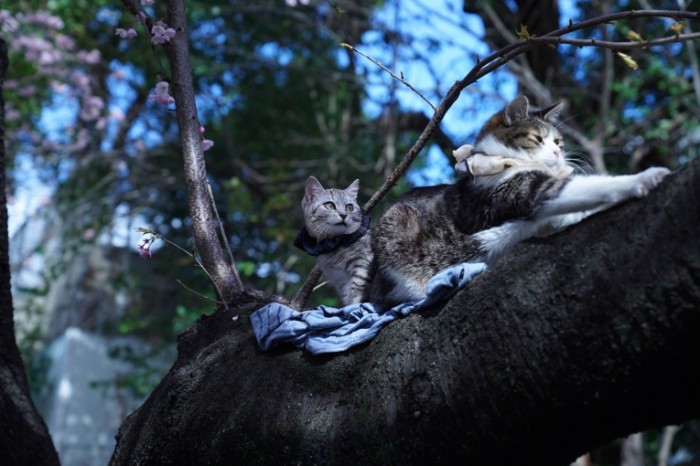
point(336, 231)
point(518, 185)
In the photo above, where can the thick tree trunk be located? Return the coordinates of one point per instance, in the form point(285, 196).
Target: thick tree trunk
point(24, 438)
point(572, 341)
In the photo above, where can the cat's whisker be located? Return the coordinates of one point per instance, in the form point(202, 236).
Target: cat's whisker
point(562, 122)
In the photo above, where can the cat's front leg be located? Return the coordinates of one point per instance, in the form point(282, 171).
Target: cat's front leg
point(584, 193)
point(649, 179)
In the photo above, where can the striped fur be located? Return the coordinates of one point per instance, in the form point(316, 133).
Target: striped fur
point(329, 213)
point(479, 218)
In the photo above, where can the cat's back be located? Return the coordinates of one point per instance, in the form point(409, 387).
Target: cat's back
point(411, 213)
point(427, 200)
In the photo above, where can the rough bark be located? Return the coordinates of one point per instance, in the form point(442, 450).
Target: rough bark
point(223, 274)
point(573, 341)
point(24, 438)
point(219, 266)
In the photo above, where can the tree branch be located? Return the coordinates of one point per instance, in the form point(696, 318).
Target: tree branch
point(224, 275)
point(398, 78)
point(539, 359)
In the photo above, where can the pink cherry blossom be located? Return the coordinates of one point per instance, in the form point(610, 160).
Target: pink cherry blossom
point(81, 81)
point(92, 107)
point(207, 144)
point(11, 114)
point(162, 95)
point(91, 58)
point(8, 22)
point(145, 246)
point(117, 114)
point(161, 34)
point(44, 18)
point(145, 250)
point(118, 74)
point(27, 91)
point(125, 33)
point(65, 42)
point(36, 49)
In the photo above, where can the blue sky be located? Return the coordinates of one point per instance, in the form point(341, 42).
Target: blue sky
point(459, 33)
point(432, 70)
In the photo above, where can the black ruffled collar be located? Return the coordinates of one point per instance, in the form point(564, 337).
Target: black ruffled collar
point(314, 247)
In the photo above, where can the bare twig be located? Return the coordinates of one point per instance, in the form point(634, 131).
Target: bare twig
point(148, 231)
point(222, 231)
point(302, 297)
point(596, 152)
point(398, 78)
point(198, 293)
point(611, 44)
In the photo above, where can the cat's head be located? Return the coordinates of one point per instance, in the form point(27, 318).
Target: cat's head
point(330, 212)
point(520, 133)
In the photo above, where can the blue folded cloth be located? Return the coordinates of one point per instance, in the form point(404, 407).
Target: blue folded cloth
point(331, 330)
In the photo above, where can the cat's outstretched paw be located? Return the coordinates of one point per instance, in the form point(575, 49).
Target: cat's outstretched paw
point(649, 179)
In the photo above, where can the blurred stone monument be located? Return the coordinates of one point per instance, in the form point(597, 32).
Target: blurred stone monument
point(82, 406)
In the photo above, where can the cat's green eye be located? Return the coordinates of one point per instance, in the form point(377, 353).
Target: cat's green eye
point(329, 205)
point(558, 141)
point(538, 138)
point(349, 208)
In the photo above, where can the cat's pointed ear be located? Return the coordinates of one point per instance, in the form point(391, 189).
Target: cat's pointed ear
point(552, 112)
point(516, 110)
point(353, 189)
point(313, 187)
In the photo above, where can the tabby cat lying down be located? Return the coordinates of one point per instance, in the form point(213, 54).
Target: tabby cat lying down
point(518, 185)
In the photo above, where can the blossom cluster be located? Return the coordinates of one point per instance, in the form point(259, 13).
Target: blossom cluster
point(162, 94)
point(206, 143)
point(37, 50)
point(125, 33)
point(145, 245)
point(160, 34)
point(38, 39)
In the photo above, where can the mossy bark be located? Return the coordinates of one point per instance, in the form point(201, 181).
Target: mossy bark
point(572, 341)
